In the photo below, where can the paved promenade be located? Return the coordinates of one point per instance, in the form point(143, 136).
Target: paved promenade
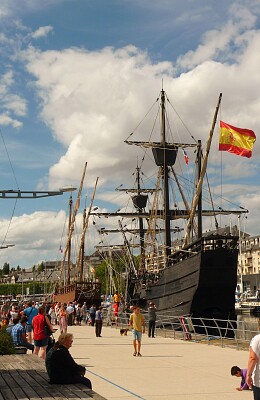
point(168, 369)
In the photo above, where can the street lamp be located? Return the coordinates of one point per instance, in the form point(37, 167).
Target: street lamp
point(67, 189)
point(25, 194)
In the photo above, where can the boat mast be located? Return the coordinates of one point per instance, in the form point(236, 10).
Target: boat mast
point(199, 157)
point(83, 245)
point(165, 175)
point(71, 227)
point(202, 174)
point(140, 220)
point(69, 242)
point(80, 262)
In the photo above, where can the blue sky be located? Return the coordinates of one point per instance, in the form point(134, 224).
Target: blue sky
point(76, 76)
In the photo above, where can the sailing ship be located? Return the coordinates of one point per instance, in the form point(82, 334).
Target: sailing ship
point(72, 284)
point(199, 277)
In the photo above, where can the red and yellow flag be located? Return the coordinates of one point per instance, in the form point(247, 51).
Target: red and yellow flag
point(239, 141)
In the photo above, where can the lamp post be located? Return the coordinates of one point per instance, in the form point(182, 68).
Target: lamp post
point(25, 194)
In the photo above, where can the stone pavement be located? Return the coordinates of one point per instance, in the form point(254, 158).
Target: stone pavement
point(168, 369)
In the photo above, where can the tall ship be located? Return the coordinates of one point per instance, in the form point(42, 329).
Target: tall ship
point(74, 283)
point(195, 274)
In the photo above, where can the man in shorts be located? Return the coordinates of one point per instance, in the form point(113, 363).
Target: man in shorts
point(137, 324)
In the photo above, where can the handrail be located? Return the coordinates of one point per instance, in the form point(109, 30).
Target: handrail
point(224, 333)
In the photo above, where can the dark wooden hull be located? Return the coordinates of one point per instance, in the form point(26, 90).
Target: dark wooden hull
point(89, 292)
point(200, 283)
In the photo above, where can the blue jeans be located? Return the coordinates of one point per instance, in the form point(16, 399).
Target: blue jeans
point(151, 328)
point(28, 345)
point(137, 335)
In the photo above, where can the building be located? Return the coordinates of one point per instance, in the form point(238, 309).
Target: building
point(249, 264)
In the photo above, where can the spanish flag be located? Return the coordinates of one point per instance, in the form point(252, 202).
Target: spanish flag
point(239, 141)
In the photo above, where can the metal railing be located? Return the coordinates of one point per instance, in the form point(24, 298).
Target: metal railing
point(224, 333)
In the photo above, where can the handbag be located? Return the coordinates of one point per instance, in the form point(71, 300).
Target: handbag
point(51, 343)
point(47, 330)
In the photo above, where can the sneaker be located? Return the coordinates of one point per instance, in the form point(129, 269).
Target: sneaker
point(139, 355)
point(134, 354)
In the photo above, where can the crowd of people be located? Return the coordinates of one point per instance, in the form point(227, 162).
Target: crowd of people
point(31, 326)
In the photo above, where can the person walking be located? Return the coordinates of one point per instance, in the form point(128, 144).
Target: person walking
point(151, 319)
point(98, 322)
point(137, 324)
point(92, 314)
point(70, 310)
point(253, 368)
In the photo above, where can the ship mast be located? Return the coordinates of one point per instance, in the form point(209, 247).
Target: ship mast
point(71, 229)
point(197, 197)
point(165, 174)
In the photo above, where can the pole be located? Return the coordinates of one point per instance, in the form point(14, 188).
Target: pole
point(167, 221)
point(240, 255)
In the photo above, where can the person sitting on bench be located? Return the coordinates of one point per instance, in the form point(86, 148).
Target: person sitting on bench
point(18, 334)
point(63, 369)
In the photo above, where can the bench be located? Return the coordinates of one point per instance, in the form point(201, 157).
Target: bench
point(24, 377)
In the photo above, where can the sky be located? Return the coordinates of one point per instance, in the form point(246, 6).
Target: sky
point(77, 76)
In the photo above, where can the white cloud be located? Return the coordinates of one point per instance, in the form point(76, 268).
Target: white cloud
point(11, 103)
point(218, 42)
point(41, 32)
point(92, 100)
point(5, 119)
point(16, 7)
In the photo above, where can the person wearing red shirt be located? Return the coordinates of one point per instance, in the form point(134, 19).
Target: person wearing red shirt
point(40, 338)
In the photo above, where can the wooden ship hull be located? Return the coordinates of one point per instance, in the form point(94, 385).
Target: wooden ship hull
point(201, 283)
point(89, 292)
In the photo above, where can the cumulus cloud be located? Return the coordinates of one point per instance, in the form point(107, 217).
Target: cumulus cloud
point(220, 42)
point(91, 101)
point(37, 247)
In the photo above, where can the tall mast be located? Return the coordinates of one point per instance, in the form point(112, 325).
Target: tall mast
point(199, 157)
point(69, 242)
point(140, 220)
point(71, 227)
point(203, 171)
point(80, 263)
point(165, 174)
point(82, 247)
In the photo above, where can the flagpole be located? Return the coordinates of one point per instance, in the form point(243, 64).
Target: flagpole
point(240, 255)
point(202, 173)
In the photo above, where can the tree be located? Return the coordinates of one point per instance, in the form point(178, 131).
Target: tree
point(6, 269)
point(40, 267)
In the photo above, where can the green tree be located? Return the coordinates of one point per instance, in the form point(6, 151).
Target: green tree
point(6, 343)
point(40, 267)
point(6, 268)
point(101, 275)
